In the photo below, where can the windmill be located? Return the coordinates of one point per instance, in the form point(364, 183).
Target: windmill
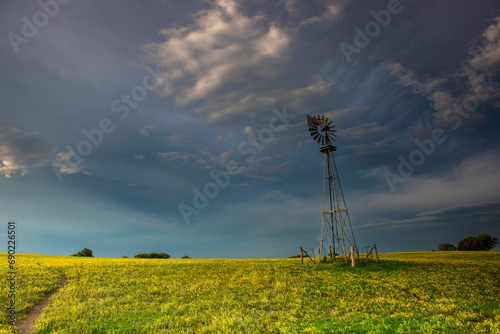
point(336, 229)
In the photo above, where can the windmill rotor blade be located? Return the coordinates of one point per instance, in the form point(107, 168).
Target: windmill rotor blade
point(316, 136)
point(313, 130)
point(314, 133)
point(329, 123)
point(322, 140)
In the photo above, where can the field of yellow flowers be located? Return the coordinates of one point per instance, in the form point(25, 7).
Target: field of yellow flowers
point(431, 292)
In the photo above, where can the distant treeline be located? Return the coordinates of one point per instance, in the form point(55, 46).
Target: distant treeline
point(152, 256)
point(297, 256)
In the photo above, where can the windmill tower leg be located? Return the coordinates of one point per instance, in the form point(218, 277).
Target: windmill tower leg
point(343, 212)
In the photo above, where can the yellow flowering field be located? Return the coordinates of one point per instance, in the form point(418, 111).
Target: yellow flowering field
point(428, 292)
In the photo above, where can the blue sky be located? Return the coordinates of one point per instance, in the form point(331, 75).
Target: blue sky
point(116, 115)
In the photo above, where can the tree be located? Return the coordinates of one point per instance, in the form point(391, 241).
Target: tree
point(186, 257)
point(85, 253)
point(446, 247)
point(483, 242)
point(466, 244)
point(486, 242)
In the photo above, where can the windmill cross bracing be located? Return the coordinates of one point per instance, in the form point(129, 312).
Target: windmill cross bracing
point(336, 229)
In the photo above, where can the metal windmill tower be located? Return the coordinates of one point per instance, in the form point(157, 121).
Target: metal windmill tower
point(336, 229)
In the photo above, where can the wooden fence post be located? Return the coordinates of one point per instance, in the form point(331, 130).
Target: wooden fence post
point(353, 259)
point(301, 257)
point(376, 254)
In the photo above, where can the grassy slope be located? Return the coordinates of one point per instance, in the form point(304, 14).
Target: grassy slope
point(438, 292)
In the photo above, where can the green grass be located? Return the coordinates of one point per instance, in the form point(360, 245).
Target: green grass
point(431, 292)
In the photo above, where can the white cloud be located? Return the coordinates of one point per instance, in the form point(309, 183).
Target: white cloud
point(351, 110)
point(251, 103)
point(179, 140)
point(21, 151)
point(487, 55)
point(249, 131)
point(222, 44)
point(364, 132)
point(452, 215)
point(441, 100)
point(476, 179)
point(483, 61)
point(220, 64)
point(331, 12)
point(138, 157)
point(62, 163)
point(177, 159)
point(263, 169)
point(147, 130)
point(225, 62)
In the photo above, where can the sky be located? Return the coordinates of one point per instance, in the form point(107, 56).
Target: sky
point(132, 127)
